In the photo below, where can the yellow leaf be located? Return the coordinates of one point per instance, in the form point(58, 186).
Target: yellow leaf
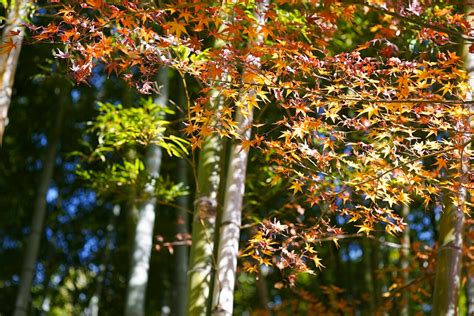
point(176, 28)
point(317, 262)
point(365, 228)
point(296, 186)
point(370, 109)
point(309, 248)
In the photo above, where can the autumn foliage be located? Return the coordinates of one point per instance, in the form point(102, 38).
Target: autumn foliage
point(359, 133)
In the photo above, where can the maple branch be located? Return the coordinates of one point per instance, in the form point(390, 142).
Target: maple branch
point(176, 206)
point(323, 96)
point(417, 22)
point(409, 284)
point(407, 163)
point(381, 241)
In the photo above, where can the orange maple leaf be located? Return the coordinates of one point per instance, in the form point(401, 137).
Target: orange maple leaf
point(7, 47)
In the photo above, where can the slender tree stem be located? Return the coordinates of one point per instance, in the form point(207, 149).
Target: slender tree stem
point(39, 213)
point(9, 57)
point(143, 239)
point(448, 269)
point(224, 283)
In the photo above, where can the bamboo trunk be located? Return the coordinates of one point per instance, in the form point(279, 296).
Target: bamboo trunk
point(262, 292)
point(180, 280)
point(470, 295)
point(39, 212)
point(9, 58)
point(405, 263)
point(230, 224)
point(202, 258)
point(368, 276)
point(143, 239)
point(94, 303)
point(205, 209)
point(224, 283)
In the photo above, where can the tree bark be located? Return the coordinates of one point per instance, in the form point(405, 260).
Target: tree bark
point(143, 239)
point(228, 248)
point(448, 269)
point(39, 212)
point(470, 126)
point(470, 295)
point(9, 58)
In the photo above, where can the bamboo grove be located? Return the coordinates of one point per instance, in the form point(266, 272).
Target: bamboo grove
point(305, 132)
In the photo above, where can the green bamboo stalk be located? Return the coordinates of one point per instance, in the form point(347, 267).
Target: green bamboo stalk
point(204, 221)
point(201, 257)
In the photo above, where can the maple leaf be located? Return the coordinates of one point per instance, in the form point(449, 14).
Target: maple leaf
point(7, 47)
point(390, 200)
point(176, 28)
point(447, 88)
point(404, 198)
point(365, 228)
point(97, 4)
point(317, 262)
point(440, 163)
point(370, 109)
point(296, 186)
point(250, 268)
point(309, 248)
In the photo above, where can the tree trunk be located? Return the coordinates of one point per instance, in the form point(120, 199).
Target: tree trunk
point(405, 263)
point(262, 292)
point(9, 58)
point(223, 297)
point(228, 248)
point(180, 290)
point(448, 269)
point(205, 209)
point(143, 239)
point(39, 212)
point(470, 127)
point(93, 309)
point(470, 295)
point(368, 276)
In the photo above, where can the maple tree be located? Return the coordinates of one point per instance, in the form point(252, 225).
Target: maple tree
point(359, 133)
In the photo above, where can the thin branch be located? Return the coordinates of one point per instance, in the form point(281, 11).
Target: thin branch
point(323, 96)
point(408, 162)
point(418, 22)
